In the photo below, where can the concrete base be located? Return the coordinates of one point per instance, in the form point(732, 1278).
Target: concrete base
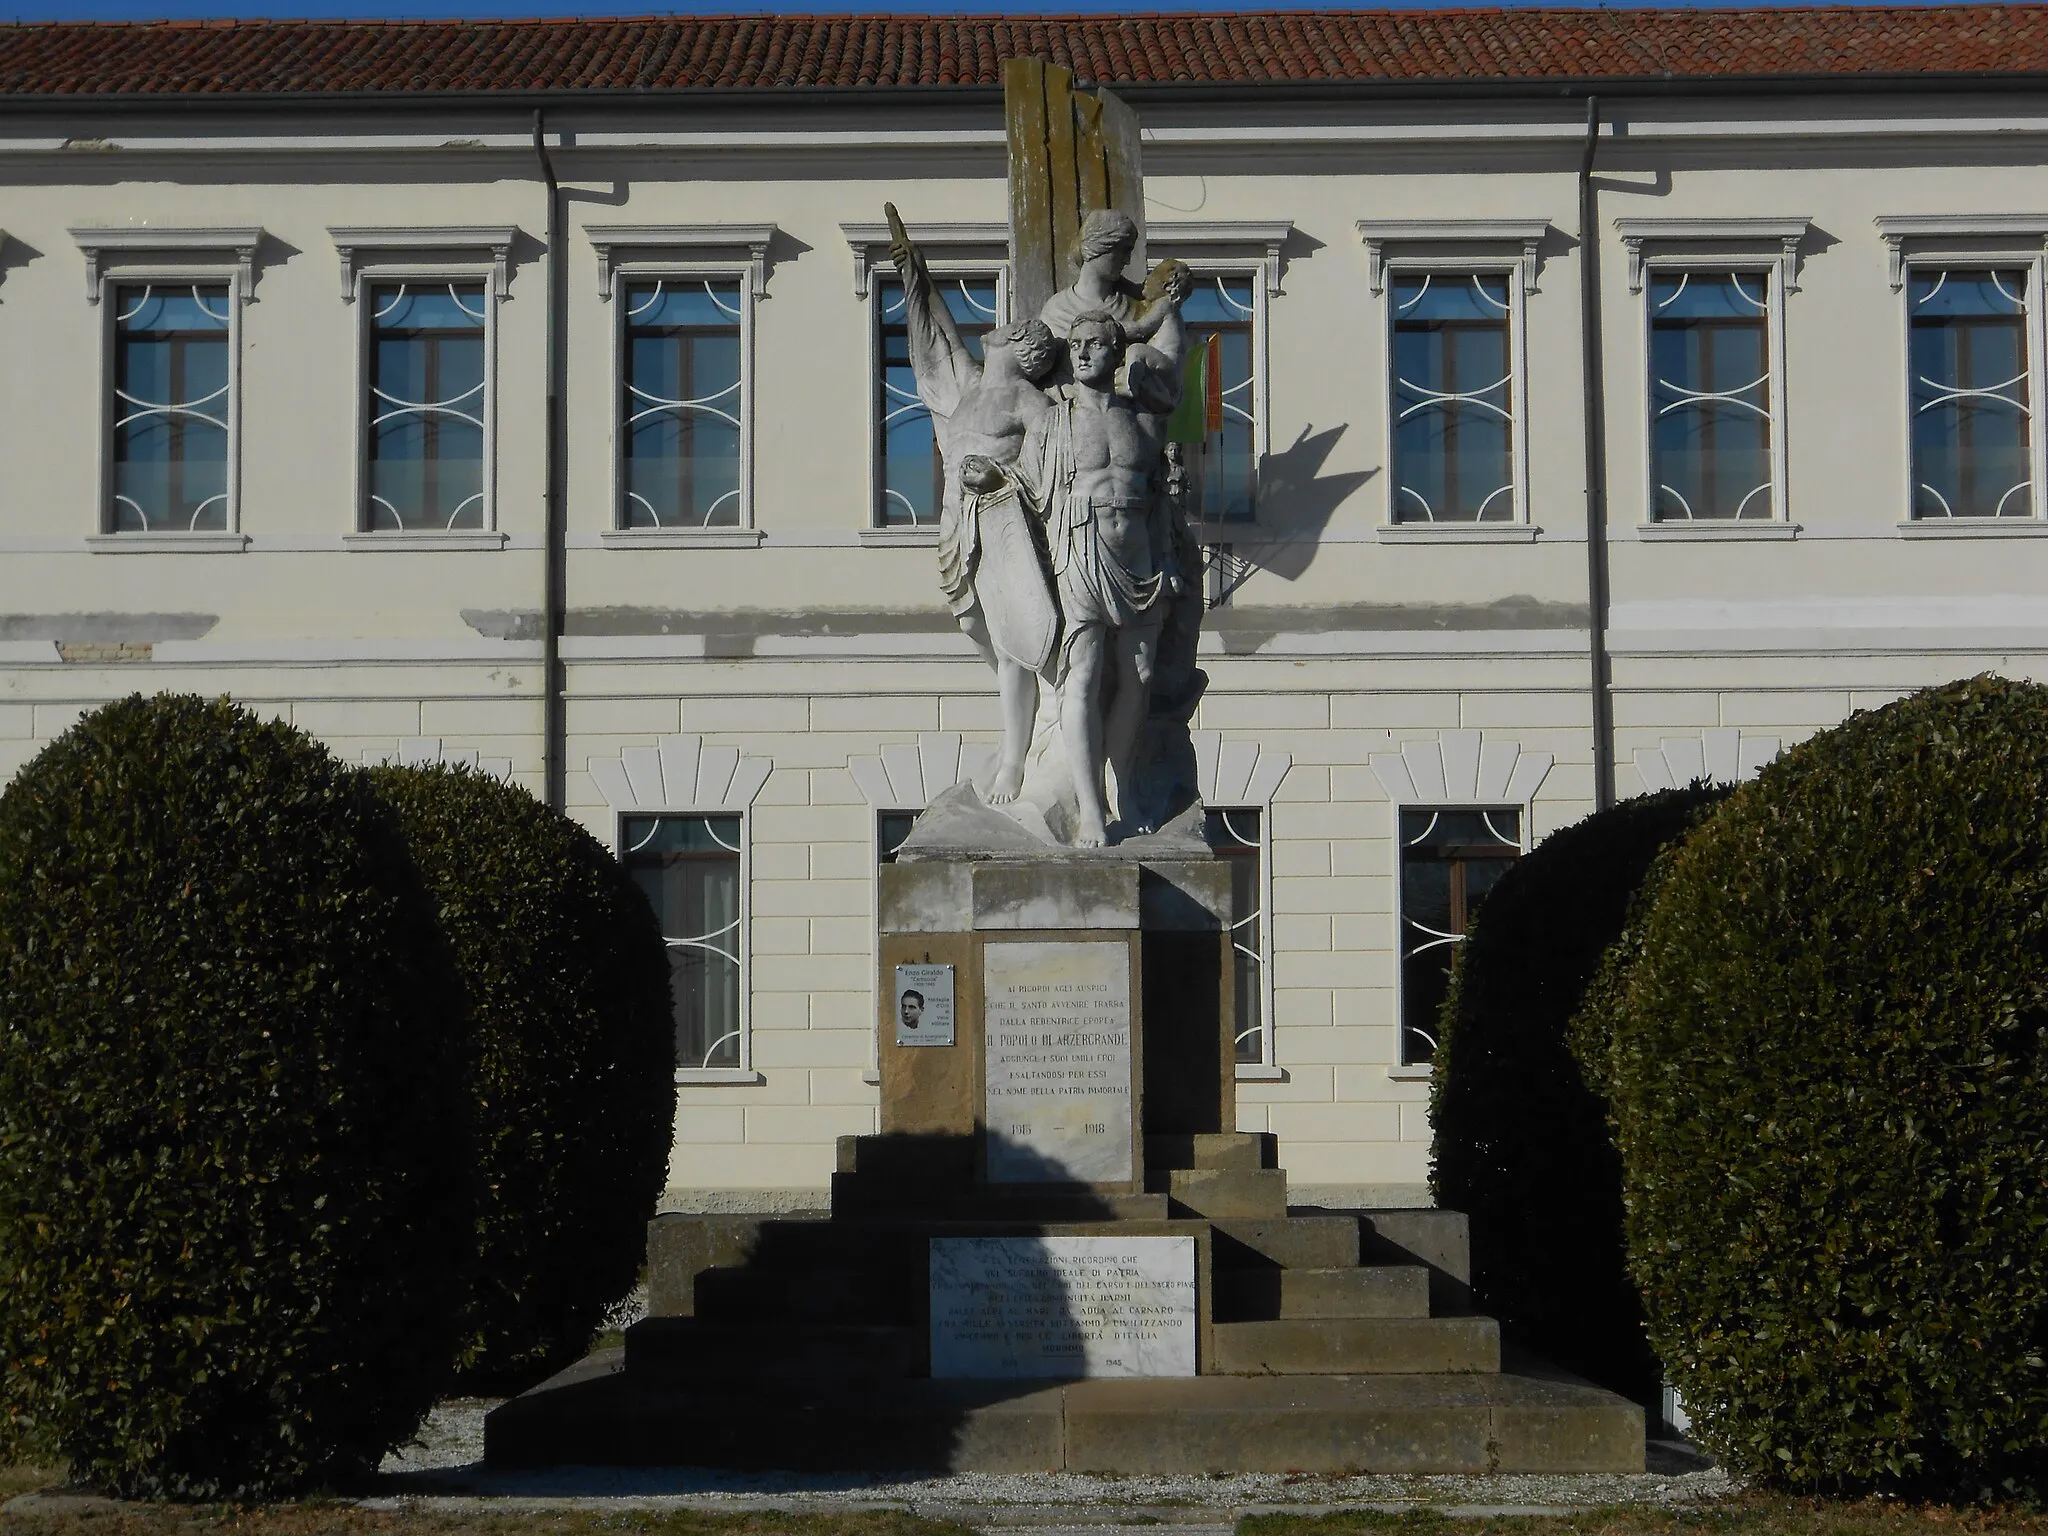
point(1522, 1420)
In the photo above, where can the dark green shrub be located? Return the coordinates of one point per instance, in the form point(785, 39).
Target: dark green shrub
point(227, 1150)
point(1825, 1040)
point(1521, 1143)
point(573, 1080)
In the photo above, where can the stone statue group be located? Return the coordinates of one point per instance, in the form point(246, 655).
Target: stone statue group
point(1064, 548)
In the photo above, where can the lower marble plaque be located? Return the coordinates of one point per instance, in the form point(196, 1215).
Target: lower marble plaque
point(1063, 1306)
point(1057, 1019)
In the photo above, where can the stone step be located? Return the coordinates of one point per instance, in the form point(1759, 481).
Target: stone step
point(1527, 1421)
point(1357, 1346)
point(859, 1198)
point(1223, 1192)
point(1374, 1290)
point(1213, 1149)
point(1291, 1242)
point(681, 1349)
point(926, 1159)
point(824, 1293)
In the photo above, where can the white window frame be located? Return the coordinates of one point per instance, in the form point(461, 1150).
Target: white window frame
point(744, 1074)
point(952, 250)
point(1266, 1068)
point(1483, 247)
point(1980, 240)
point(1260, 272)
point(124, 257)
point(435, 255)
point(640, 252)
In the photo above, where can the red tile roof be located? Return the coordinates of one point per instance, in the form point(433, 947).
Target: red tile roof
point(746, 53)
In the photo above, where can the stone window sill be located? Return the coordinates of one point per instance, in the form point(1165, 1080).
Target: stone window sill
point(887, 538)
point(1458, 533)
point(1974, 528)
point(167, 543)
point(738, 1077)
point(1420, 1072)
point(1260, 1072)
point(448, 539)
point(681, 538)
point(1706, 532)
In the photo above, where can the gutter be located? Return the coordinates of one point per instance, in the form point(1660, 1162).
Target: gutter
point(554, 742)
point(1592, 381)
point(670, 99)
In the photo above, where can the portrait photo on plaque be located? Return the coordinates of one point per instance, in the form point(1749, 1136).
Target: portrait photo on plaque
point(924, 1005)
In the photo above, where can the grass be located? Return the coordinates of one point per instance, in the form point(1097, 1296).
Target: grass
point(1742, 1515)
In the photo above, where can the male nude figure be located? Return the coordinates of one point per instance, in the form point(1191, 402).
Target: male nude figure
point(989, 567)
point(1089, 464)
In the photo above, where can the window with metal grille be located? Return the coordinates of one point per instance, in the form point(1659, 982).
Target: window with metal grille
point(1972, 409)
point(1224, 306)
point(426, 407)
point(680, 404)
point(1234, 833)
point(689, 866)
point(170, 409)
point(891, 827)
point(1710, 395)
point(911, 484)
point(1453, 398)
point(1450, 859)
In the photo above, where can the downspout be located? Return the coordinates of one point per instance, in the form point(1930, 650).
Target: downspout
point(554, 552)
point(1593, 382)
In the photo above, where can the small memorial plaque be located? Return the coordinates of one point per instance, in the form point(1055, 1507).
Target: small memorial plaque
point(1058, 1026)
point(924, 1005)
point(1063, 1306)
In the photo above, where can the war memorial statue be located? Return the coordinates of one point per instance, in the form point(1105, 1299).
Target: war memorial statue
point(1062, 550)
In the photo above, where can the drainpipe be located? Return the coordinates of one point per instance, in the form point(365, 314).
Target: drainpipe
point(1593, 382)
point(554, 557)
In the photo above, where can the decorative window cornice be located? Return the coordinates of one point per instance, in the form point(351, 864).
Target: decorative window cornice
point(1787, 232)
point(352, 242)
point(1723, 755)
point(1378, 234)
point(1897, 228)
point(1268, 234)
point(908, 776)
point(1237, 772)
point(1461, 768)
point(235, 243)
point(610, 239)
point(680, 774)
point(870, 244)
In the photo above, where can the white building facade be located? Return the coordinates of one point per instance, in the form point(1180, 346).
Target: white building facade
point(278, 350)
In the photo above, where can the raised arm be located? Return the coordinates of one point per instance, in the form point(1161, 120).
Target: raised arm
point(944, 368)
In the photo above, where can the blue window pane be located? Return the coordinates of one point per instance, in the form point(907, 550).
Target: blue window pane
point(170, 415)
point(1222, 306)
point(680, 405)
point(913, 478)
point(1967, 351)
point(1710, 395)
point(426, 407)
point(1453, 399)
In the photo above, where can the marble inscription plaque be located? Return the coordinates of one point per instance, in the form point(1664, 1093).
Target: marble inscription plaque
point(1057, 1023)
point(1063, 1306)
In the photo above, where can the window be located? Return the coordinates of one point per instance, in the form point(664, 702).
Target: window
point(1450, 859)
point(171, 408)
point(1972, 438)
point(1234, 834)
point(689, 866)
point(1225, 306)
point(1453, 397)
point(1711, 397)
point(680, 404)
point(911, 479)
point(426, 408)
point(891, 827)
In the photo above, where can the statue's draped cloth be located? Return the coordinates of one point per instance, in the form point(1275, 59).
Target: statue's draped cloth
point(985, 535)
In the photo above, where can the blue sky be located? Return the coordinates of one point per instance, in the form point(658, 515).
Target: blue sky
point(142, 10)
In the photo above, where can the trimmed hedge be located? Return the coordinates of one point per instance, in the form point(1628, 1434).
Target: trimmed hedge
point(1825, 1040)
point(572, 1086)
point(229, 1187)
point(1521, 1143)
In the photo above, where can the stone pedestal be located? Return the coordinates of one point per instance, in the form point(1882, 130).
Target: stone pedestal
point(1092, 1006)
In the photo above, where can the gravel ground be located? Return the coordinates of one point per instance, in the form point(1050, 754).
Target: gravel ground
point(444, 1470)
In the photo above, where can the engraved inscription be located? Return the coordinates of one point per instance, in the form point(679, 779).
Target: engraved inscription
point(1057, 1020)
point(1063, 1306)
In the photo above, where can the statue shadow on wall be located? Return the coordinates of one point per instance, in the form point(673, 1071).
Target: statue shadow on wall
point(1296, 502)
